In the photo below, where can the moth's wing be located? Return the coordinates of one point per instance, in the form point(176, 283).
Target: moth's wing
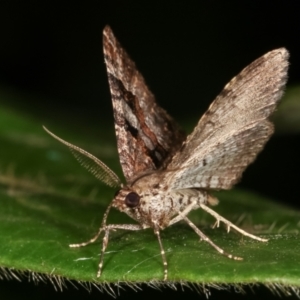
point(146, 134)
point(234, 129)
point(91, 163)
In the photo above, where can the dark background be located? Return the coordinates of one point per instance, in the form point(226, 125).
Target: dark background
point(51, 51)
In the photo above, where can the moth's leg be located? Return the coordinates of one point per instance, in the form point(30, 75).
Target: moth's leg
point(163, 254)
point(208, 240)
point(92, 240)
point(106, 236)
point(183, 213)
point(229, 224)
point(103, 225)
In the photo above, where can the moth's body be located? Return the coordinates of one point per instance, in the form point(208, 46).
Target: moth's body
point(158, 204)
point(167, 173)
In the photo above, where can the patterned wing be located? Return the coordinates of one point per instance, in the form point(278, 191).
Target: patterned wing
point(146, 134)
point(235, 128)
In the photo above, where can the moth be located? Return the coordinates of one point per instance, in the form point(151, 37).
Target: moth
point(168, 174)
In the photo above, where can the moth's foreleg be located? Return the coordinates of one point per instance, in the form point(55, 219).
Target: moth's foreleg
point(106, 237)
point(163, 254)
point(92, 240)
point(229, 224)
point(208, 240)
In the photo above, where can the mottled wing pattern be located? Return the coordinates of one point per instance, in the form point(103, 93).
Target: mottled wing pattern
point(146, 134)
point(234, 129)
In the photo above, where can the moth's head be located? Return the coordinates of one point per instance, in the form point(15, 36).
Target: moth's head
point(144, 201)
point(129, 201)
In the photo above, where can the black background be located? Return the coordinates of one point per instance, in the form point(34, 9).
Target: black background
point(186, 50)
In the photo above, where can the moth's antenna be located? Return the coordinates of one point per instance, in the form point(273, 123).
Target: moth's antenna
point(94, 165)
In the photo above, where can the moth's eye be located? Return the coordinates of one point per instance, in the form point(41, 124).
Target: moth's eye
point(132, 199)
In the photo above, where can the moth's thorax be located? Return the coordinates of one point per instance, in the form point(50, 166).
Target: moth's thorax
point(149, 201)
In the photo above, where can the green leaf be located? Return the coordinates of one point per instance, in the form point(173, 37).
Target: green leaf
point(48, 202)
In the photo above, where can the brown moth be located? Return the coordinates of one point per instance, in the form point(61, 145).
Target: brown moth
point(168, 174)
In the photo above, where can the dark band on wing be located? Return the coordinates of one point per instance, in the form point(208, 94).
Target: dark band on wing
point(157, 153)
point(147, 136)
